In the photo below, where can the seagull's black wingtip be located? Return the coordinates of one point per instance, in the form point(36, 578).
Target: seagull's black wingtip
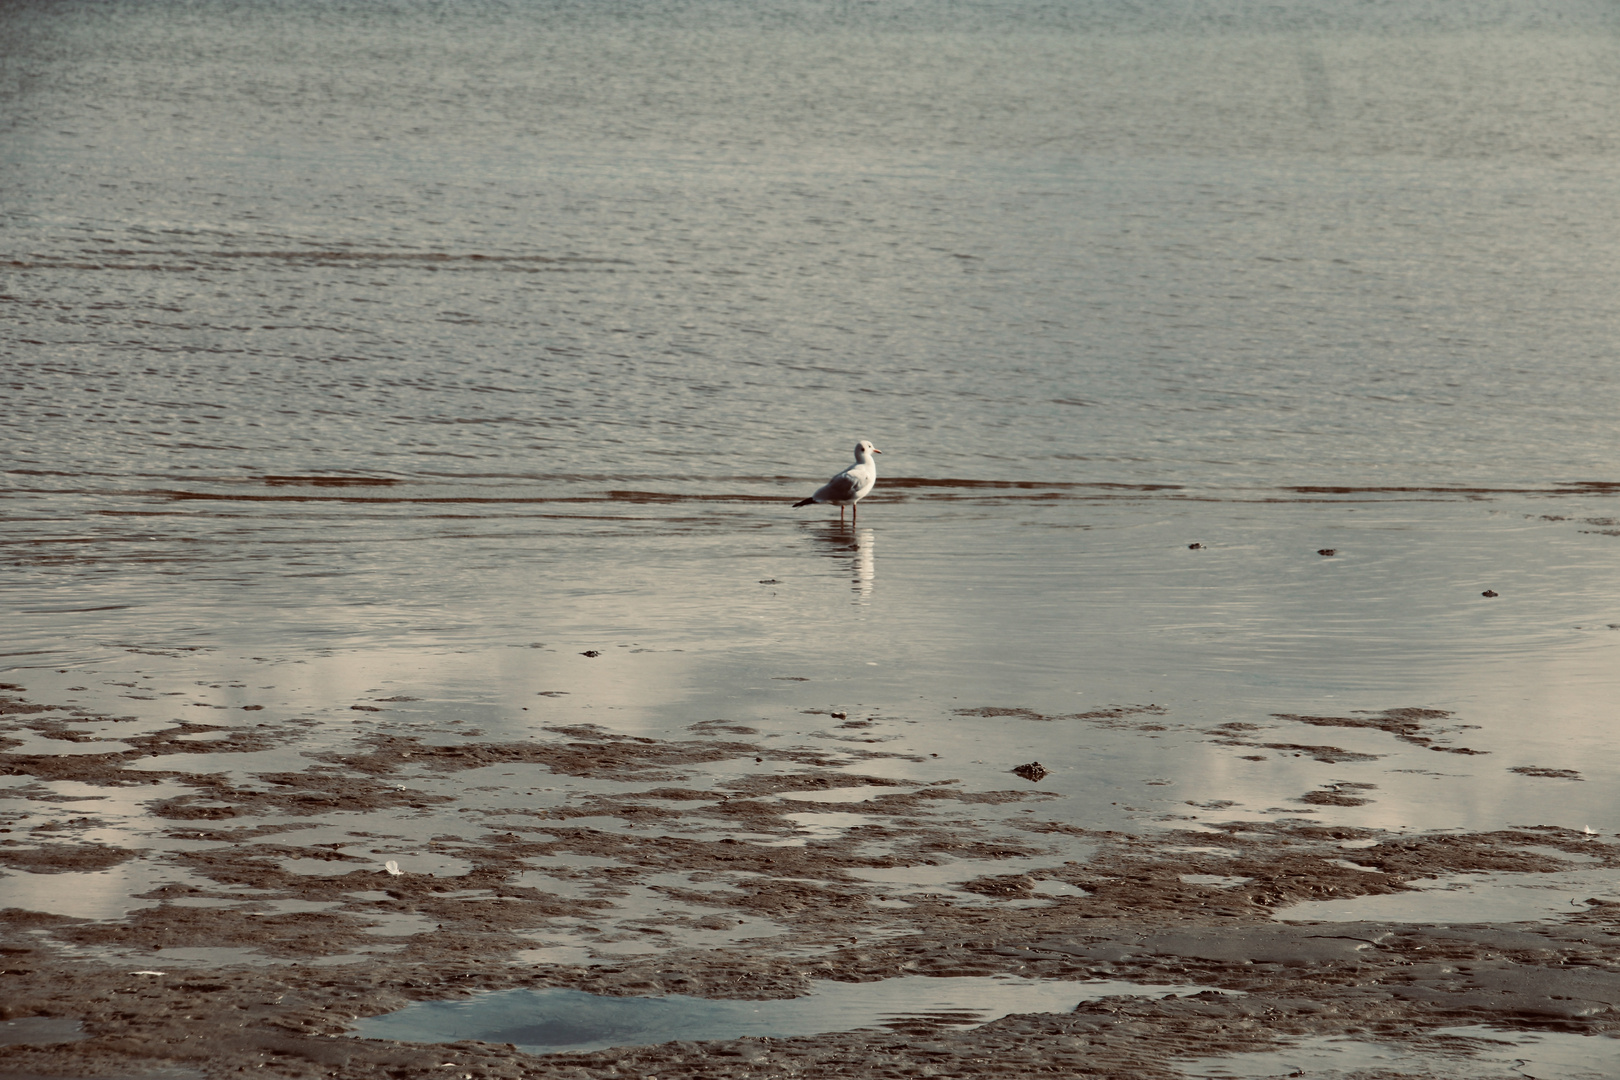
point(804, 502)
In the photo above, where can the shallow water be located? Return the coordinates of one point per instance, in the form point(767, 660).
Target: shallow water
point(416, 356)
point(1463, 1053)
point(550, 1021)
point(40, 1029)
point(1470, 898)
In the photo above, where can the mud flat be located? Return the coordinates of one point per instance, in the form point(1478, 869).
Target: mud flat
point(206, 899)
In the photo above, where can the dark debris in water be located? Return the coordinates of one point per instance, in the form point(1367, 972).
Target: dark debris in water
point(1112, 712)
point(1331, 755)
point(1332, 797)
point(1555, 774)
point(1410, 724)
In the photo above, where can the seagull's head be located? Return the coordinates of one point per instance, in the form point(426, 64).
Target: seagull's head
point(863, 448)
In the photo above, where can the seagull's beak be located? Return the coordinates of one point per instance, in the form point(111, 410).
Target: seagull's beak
point(875, 450)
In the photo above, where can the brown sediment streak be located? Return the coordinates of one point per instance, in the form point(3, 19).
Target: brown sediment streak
point(115, 259)
point(1573, 487)
point(924, 482)
point(332, 481)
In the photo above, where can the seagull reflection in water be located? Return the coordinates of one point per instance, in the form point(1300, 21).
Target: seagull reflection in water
point(859, 548)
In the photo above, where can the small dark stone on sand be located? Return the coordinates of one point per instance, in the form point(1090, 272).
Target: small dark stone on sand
point(839, 715)
point(590, 652)
point(1488, 592)
point(1194, 547)
point(1033, 772)
point(1327, 551)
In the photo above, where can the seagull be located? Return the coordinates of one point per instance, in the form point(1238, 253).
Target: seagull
point(850, 486)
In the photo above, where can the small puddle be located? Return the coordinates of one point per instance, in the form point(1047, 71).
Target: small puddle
point(864, 793)
point(32, 744)
point(579, 955)
point(213, 956)
point(1544, 1055)
point(585, 888)
point(826, 826)
point(951, 877)
point(94, 894)
point(1467, 898)
point(552, 1021)
point(934, 875)
point(40, 1029)
point(1461, 1053)
point(324, 867)
point(434, 866)
point(1222, 881)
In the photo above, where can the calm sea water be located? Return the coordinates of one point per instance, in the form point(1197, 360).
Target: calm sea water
point(432, 345)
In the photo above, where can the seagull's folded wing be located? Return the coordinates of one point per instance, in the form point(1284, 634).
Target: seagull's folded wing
point(840, 488)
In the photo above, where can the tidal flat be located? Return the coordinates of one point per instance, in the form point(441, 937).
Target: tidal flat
point(198, 896)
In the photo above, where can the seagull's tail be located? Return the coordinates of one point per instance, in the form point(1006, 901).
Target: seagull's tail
point(804, 502)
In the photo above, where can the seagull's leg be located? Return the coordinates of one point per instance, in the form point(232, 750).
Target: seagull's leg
point(854, 512)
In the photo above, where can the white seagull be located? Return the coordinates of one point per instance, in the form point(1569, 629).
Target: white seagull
point(850, 486)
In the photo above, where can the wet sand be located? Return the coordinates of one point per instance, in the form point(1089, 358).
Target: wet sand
point(696, 866)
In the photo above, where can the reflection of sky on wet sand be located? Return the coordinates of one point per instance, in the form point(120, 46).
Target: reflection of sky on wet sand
point(1471, 898)
point(543, 1021)
point(102, 894)
point(1487, 1054)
